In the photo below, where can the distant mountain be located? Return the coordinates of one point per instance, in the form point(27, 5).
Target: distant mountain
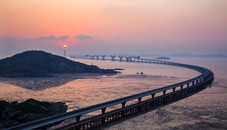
point(40, 63)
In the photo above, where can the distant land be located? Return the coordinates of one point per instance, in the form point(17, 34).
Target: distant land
point(192, 55)
point(163, 58)
point(41, 64)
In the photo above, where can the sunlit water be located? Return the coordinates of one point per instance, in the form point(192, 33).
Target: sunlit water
point(79, 93)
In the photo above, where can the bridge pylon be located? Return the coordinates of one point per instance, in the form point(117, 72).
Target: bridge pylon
point(103, 57)
point(121, 58)
point(97, 57)
point(113, 57)
point(92, 57)
point(128, 58)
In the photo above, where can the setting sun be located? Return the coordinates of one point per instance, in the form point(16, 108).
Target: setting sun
point(65, 46)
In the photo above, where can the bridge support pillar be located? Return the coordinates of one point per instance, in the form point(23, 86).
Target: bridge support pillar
point(113, 57)
point(138, 58)
point(123, 104)
point(103, 57)
point(122, 113)
point(97, 57)
point(197, 81)
point(92, 57)
point(181, 87)
point(174, 89)
point(78, 118)
point(153, 95)
point(128, 59)
point(103, 110)
point(139, 99)
point(103, 120)
point(121, 57)
point(188, 85)
point(164, 92)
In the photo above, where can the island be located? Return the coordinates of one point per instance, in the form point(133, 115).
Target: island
point(42, 64)
point(162, 58)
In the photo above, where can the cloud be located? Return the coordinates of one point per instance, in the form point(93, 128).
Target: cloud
point(83, 37)
point(52, 38)
point(63, 38)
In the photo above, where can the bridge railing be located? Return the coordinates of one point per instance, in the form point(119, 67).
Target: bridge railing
point(204, 77)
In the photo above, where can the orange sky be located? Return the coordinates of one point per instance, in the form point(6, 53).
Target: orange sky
point(148, 23)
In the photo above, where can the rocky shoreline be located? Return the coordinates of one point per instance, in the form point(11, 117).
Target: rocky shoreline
point(14, 113)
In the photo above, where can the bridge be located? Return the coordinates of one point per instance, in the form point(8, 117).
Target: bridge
point(157, 97)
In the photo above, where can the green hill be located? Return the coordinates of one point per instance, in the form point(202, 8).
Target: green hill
point(39, 63)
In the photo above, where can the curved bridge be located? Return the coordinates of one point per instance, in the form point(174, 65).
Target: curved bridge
point(168, 94)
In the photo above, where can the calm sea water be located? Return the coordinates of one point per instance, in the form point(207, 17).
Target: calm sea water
point(207, 109)
point(78, 93)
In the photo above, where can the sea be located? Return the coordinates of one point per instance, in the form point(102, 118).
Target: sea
point(204, 110)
